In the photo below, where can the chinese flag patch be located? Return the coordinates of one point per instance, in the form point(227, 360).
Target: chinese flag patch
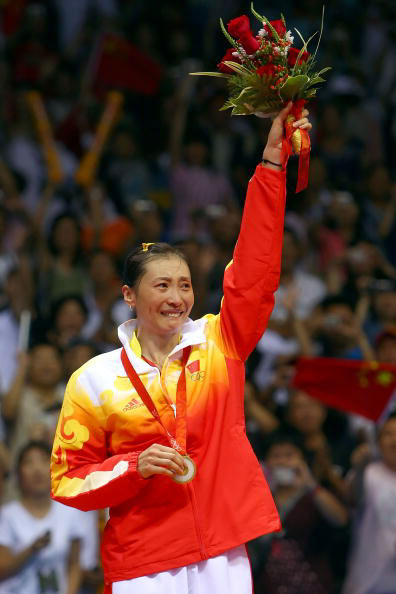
point(193, 367)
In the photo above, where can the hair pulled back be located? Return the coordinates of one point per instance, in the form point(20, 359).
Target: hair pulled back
point(136, 261)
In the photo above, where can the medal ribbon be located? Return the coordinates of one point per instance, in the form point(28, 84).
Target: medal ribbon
point(304, 144)
point(178, 442)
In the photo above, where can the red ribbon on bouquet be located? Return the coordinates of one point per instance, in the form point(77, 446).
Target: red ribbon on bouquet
point(298, 141)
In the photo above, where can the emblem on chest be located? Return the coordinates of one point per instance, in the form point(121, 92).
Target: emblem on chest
point(196, 374)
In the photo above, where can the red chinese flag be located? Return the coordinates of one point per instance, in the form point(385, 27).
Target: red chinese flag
point(194, 366)
point(360, 387)
point(118, 64)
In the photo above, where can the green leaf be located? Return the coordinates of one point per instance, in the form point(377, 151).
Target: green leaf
point(227, 105)
point(256, 14)
point(320, 34)
point(227, 35)
point(218, 74)
point(240, 110)
point(300, 36)
point(283, 20)
point(302, 50)
point(239, 68)
point(245, 91)
point(270, 106)
point(323, 71)
point(264, 19)
point(293, 85)
point(316, 80)
point(309, 94)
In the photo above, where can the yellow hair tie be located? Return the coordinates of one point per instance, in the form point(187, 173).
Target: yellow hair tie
point(145, 246)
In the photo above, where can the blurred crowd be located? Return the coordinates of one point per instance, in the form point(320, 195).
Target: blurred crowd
point(175, 168)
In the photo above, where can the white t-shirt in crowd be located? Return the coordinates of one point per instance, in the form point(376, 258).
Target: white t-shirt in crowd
point(45, 572)
point(310, 291)
point(372, 565)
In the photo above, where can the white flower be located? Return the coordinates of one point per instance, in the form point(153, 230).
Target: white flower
point(241, 54)
point(277, 50)
point(262, 32)
point(289, 37)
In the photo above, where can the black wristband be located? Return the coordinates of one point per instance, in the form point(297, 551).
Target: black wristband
point(271, 163)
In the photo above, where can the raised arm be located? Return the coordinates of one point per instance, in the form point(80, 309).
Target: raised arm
point(252, 277)
point(82, 473)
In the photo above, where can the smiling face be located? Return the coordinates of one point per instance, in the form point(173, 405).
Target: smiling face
point(163, 297)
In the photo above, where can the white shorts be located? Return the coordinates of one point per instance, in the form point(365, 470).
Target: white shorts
point(228, 573)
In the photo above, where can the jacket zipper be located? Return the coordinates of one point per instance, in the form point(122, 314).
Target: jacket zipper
point(189, 486)
point(162, 374)
point(197, 522)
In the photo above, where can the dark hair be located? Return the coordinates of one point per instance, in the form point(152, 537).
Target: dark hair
point(59, 303)
point(84, 342)
point(44, 343)
point(65, 215)
point(381, 425)
point(34, 444)
point(340, 299)
point(136, 261)
point(285, 435)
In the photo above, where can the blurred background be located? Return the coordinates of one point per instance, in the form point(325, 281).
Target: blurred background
point(105, 142)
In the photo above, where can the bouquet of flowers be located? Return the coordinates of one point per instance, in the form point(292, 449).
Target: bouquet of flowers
point(265, 71)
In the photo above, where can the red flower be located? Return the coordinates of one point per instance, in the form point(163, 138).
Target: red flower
point(239, 26)
point(228, 57)
point(249, 43)
point(278, 26)
point(292, 56)
point(267, 70)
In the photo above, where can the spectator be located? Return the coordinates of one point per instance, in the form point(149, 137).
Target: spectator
point(18, 293)
point(297, 560)
point(67, 321)
point(194, 183)
point(39, 539)
point(340, 153)
point(77, 353)
point(337, 330)
point(325, 437)
point(379, 206)
point(340, 230)
point(125, 172)
point(104, 299)
point(385, 346)
point(62, 270)
point(298, 293)
point(308, 289)
point(31, 406)
point(372, 567)
point(379, 307)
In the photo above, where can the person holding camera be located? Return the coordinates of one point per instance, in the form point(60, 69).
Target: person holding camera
point(298, 559)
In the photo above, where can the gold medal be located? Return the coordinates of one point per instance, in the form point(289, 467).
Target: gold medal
point(189, 471)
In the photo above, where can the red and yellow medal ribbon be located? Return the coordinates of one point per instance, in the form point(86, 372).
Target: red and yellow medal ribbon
point(177, 441)
point(298, 141)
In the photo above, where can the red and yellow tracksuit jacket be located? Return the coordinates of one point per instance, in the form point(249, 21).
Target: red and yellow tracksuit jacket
point(156, 524)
